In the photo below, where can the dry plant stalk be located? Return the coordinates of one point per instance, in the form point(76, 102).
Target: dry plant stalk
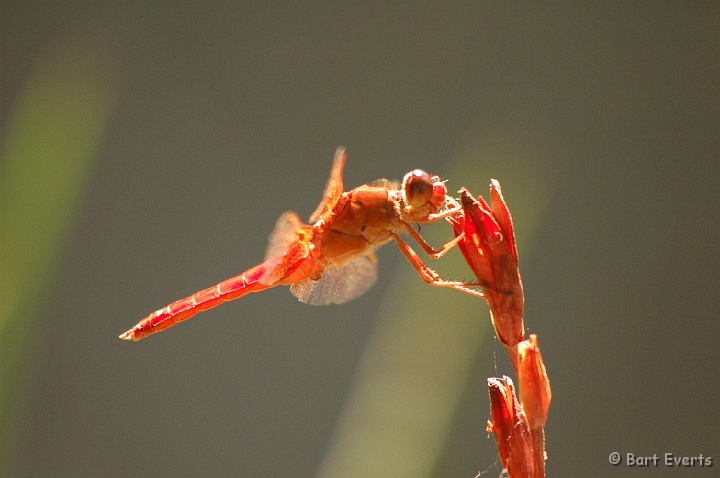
point(488, 244)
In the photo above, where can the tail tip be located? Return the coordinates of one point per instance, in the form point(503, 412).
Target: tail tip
point(129, 335)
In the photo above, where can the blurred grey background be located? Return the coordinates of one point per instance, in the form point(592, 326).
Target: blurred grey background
point(210, 119)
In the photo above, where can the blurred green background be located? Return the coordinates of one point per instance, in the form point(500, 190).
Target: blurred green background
point(146, 150)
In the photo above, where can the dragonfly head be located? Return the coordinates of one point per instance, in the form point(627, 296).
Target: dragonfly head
point(422, 194)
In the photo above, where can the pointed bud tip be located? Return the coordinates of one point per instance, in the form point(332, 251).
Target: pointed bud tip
point(535, 390)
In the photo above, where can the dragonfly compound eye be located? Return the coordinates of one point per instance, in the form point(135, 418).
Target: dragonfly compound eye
point(418, 187)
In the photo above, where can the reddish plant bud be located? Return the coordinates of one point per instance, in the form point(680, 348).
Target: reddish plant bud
point(502, 216)
point(490, 251)
point(510, 427)
point(535, 392)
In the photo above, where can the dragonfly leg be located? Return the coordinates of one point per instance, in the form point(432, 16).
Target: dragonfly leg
point(450, 211)
point(433, 253)
point(430, 276)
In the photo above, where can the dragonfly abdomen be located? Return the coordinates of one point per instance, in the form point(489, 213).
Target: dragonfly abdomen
point(206, 299)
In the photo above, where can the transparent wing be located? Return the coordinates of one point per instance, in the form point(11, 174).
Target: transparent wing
point(283, 247)
point(334, 186)
point(385, 183)
point(339, 283)
point(286, 231)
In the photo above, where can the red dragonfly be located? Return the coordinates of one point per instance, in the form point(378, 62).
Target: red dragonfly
point(332, 260)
